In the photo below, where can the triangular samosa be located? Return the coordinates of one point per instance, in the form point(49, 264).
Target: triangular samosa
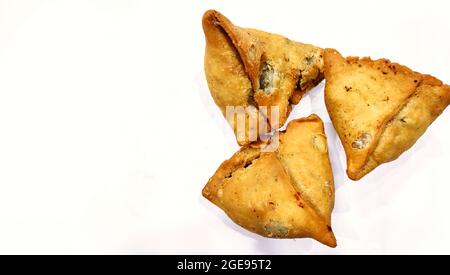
point(379, 108)
point(287, 193)
point(262, 72)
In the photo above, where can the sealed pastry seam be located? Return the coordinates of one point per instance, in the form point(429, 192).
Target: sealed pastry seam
point(240, 160)
point(381, 129)
point(319, 142)
point(401, 120)
point(249, 48)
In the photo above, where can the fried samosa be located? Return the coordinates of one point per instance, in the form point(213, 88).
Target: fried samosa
point(259, 72)
point(287, 193)
point(379, 108)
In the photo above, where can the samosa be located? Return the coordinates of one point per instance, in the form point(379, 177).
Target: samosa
point(379, 108)
point(287, 193)
point(257, 73)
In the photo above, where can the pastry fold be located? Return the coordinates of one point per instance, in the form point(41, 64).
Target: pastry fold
point(287, 193)
point(379, 108)
point(256, 70)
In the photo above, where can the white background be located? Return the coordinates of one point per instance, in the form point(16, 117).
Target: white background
point(108, 132)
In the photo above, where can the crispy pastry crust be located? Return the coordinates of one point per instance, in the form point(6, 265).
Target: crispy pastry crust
point(379, 108)
point(252, 68)
point(284, 194)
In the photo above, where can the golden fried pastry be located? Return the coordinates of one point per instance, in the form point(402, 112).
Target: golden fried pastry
point(256, 70)
point(379, 108)
point(287, 193)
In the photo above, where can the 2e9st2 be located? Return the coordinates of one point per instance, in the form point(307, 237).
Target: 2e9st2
point(245, 264)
